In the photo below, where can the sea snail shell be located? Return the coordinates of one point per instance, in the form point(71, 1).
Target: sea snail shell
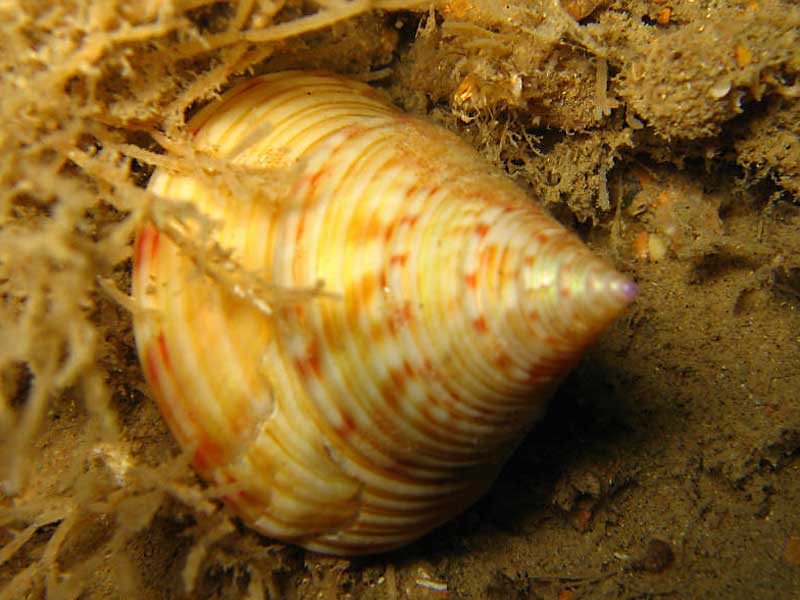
point(358, 421)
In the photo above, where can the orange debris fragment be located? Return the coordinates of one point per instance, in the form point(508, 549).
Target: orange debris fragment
point(743, 56)
point(640, 245)
point(662, 199)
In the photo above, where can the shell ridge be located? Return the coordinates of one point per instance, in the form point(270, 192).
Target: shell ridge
point(371, 392)
point(361, 408)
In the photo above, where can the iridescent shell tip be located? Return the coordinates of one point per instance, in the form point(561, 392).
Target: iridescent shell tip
point(360, 420)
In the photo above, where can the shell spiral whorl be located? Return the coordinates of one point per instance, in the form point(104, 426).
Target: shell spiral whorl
point(358, 422)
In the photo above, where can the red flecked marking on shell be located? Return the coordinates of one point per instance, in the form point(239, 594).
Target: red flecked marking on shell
point(302, 367)
point(546, 370)
point(564, 289)
point(377, 331)
point(398, 259)
point(480, 324)
point(482, 229)
point(426, 412)
point(141, 245)
point(367, 287)
point(308, 366)
point(243, 502)
point(535, 375)
point(313, 359)
point(489, 253)
point(370, 230)
point(398, 379)
point(408, 368)
point(348, 425)
point(471, 279)
point(152, 360)
point(503, 361)
point(353, 131)
point(146, 241)
point(207, 456)
point(354, 310)
point(389, 393)
point(389, 232)
point(162, 349)
point(155, 244)
point(314, 180)
point(542, 238)
point(409, 220)
point(372, 94)
point(301, 225)
point(400, 318)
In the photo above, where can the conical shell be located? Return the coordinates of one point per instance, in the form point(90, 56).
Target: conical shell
point(358, 421)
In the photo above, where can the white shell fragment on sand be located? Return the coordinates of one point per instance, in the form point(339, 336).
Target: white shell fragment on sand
point(359, 420)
